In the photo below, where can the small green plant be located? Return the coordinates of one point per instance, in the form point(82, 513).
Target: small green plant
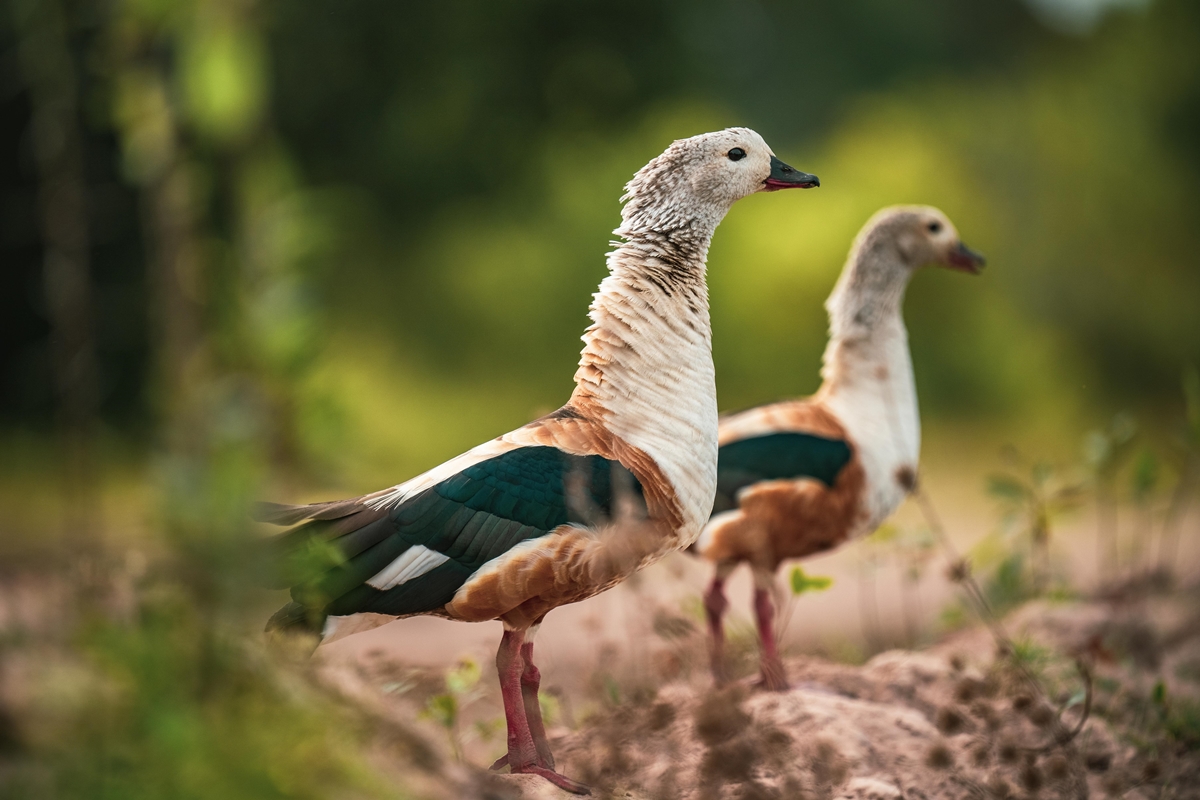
point(1031, 655)
point(802, 583)
point(1033, 497)
point(874, 552)
point(1145, 476)
point(995, 577)
point(919, 548)
point(462, 683)
point(1172, 717)
point(1182, 723)
point(612, 691)
point(1020, 662)
point(911, 550)
point(799, 583)
point(1189, 470)
point(1105, 452)
point(1007, 586)
point(1143, 482)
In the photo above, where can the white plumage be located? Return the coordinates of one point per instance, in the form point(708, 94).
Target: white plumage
point(413, 563)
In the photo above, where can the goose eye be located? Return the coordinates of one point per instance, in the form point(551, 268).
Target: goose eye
point(737, 154)
point(934, 227)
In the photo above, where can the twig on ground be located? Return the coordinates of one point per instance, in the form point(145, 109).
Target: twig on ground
point(1065, 736)
point(960, 572)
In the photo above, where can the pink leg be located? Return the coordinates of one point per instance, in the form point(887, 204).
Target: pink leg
point(715, 605)
point(509, 665)
point(531, 682)
point(773, 676)
point(522, 751)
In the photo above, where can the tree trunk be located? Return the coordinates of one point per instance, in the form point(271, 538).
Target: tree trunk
point(49, 72)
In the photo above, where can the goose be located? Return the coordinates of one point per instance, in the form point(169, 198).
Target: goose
point(801, 477)
point(574, 502)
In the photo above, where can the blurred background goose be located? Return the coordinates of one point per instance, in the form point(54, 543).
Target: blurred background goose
point(800, 477)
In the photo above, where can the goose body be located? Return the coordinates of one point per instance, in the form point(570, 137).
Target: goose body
point(569, 505)
point(801, 477)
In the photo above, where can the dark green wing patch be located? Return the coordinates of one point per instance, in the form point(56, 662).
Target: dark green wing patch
point(471, 517)
point(777, 456)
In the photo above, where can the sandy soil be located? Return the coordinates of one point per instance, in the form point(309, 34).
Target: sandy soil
point(951, 721)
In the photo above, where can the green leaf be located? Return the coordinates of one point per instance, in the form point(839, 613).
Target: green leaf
point(1042, 472)
point(463, 677)
point(802, 583)
point(612, 690)
point(1145, 474)
point(1006, 487)
point(443, 708)
point(1158, 695)
point(1032, 655)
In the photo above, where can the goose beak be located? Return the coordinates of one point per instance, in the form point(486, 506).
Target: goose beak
point(965, 259)
point(784, 177)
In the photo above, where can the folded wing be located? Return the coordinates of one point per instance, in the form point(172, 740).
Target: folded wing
point(410, 556)
point(777, 456)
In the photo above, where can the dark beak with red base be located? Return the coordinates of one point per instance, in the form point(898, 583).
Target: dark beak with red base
point(784, 177)
point(965, 259)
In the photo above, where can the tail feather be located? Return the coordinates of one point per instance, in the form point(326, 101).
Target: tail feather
point(294, 558)
point(351, 526)
point(324, 529)
point(283, 514)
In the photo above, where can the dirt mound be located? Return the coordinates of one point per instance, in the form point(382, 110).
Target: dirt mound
point(893, 728)
point(953, 721)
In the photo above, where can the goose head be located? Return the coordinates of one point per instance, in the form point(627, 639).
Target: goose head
point(924, 235)
point(701, 177)
point(893, 244)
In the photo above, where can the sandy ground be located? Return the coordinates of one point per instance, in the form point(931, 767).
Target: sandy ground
point(951, 721)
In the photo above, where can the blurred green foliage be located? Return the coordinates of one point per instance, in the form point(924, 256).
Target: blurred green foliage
point(419, 200)
point(138, 677)
point(1032, 497)
point(1066, 167)
point(168, 707)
